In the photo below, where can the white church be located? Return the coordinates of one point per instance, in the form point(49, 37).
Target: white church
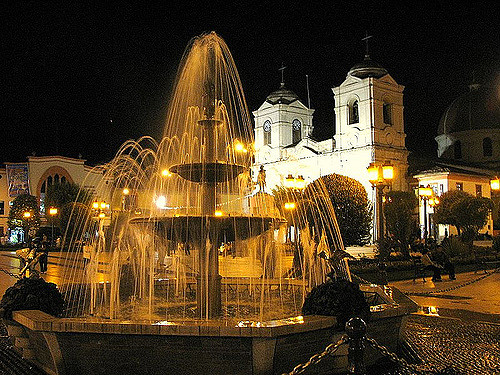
point(369, 129)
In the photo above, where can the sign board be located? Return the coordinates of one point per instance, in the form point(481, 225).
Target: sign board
point(17, 179)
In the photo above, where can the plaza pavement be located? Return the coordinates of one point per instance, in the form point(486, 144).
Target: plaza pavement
point(469, 344)
point(472, 295)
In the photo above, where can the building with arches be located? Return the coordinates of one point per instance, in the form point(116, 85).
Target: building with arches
point(36, 175)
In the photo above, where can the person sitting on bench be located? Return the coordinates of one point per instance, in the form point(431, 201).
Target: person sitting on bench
point(430, 265)
point(442, 259)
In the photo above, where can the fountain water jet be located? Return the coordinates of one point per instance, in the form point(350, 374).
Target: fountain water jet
point(211, 204)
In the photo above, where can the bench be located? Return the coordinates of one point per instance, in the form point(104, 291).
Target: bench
point(418, 268)
point(485, 265)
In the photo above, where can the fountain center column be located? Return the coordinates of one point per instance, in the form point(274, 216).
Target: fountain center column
point(208, 289)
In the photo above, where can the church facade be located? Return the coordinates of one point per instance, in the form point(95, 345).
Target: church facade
point(369, 128)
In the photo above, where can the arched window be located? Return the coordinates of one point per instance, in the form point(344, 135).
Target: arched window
point(487, 147)
point(267, 132)
point(353, 112)
point(296, 131)
point(63, 180)
point(457, 148)
point(56, 179)
point(49, 180)
point(387, 109)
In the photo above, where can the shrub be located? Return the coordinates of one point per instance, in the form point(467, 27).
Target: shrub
point(339, 298)
point(453, 246)
point(352, 208)
point(32, 294)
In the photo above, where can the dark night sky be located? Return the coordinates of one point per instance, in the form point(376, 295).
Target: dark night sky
point(82, 79)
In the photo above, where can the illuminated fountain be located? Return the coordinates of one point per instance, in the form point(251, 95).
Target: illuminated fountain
point(189, 199)
point(184, 247)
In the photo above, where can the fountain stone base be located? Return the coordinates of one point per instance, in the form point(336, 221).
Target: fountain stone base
point(99, 346)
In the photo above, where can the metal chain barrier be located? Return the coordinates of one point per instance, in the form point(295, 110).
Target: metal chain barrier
point(329, 350)
point(401, 362)
point(10, 273)
point(356, 338)
point(453, 287)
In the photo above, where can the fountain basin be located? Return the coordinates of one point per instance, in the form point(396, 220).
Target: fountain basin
point(226, 227)
point(208, 172)
point(100, 346)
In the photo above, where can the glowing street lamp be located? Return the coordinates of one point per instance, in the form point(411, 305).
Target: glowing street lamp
point(380, 176)
point(293, 183)
point(240, 147)
point(166, 173)
point(290, 205)
point(433, 201)
point(495, 184)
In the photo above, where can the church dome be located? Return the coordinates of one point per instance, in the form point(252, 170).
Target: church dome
point(282, 95)
point(477, 109)
point(367, 68)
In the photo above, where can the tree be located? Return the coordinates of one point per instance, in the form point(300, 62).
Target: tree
point(468, 214)
point(77, 220)
point(23, 205)
point(350, 202)
point(400, 221)
point(61, 193)
point(62, 196)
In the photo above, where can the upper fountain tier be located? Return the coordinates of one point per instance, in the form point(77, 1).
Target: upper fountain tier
point(208, 90)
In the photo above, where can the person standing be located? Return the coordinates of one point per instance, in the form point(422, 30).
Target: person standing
point(44, 249)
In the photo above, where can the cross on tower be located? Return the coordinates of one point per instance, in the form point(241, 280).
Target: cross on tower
point(283, 67)
point(366, 39)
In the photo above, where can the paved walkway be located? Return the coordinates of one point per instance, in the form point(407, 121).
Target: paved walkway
point(474, 296)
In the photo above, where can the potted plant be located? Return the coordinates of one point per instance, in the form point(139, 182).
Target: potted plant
point(29, 293)
point(339, 298)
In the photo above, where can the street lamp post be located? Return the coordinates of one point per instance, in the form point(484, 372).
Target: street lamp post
point(433, 202)
point(381, 177)
point(296, 186)
point(53, 211)
point(425, 193)
point(125, 194)
point(26, 216)
point(495, 187)
point(100, 207)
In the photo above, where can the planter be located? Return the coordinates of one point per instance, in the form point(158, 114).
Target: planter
point(18, 336)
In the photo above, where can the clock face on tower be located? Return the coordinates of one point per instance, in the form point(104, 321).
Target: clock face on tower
point(296, 124)
point(267, 126)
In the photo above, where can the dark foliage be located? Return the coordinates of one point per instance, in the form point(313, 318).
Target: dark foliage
point(351, 205)
point(339, 298)
point(32, 294)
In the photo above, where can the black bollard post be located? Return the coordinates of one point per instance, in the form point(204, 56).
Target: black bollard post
point(356, 330)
